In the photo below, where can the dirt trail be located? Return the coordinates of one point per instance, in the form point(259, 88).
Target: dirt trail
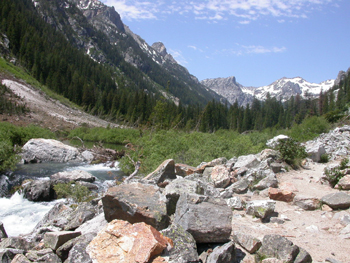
point(315, 231)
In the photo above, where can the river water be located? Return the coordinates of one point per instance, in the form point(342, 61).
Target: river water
point(20, 216)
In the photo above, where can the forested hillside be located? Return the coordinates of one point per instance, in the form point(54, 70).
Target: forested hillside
point(122, 93)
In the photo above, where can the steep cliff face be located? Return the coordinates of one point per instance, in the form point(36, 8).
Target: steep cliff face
point(230, 89)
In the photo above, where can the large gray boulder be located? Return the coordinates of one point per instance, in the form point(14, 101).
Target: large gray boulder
point(185, 248)
point(136, 202)
point(276, 246)
point(180, 186)
point(81, 214)
point(8, 254)
point(43, 255)
point(5, 186)
point(207, 219)
point(223, 254)
point(338, 200)
point(48, 150)
point(272, 143)
point(38, 191)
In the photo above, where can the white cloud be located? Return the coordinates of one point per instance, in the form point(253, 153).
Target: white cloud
point(241, 50)
point(177, 55)
point(217, 9)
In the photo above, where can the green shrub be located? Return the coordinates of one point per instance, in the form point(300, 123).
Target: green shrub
point(292, 152)
point(333, 175)
point(324, 158)
point(8, 156)
point(74, 191)
point(344, 163)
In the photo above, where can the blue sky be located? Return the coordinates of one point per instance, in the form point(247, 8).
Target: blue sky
point(257, 41)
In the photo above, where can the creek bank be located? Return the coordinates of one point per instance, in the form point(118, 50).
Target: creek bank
point(202, 212)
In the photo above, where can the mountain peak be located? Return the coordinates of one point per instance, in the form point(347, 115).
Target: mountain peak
point(160, 48)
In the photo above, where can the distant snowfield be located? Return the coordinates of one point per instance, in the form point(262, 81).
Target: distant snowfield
point(278, 88)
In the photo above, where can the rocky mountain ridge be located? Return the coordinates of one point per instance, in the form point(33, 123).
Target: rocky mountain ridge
point(281, 89)
point(97, 29)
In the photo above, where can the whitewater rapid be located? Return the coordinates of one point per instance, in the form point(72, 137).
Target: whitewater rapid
point(20, 216)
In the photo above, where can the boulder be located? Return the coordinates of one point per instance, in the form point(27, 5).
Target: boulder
point(77, 249)
point(72, 176)
point(56, 217)
point(21, 243)
point(20, 258)
point(338, 200)
point(185, 248)
point(3, 233)
point(248, 242)
point(272, 143)
point(218, 161)
point(276, 246)
point(269, 181)
point(38, 191)
point(136, 202)
point(239, 187)
point(64, 251)
point(344, 183)
point(220, 176)
point(260, 208)
point(177, 187)
point(164, 171)
point(54, 240)
point(84, 212)
point(223, 254)
point(8, 254)
point(94, 225)
point(248, 161)
point(235, 203)
point(48, 150)
point(5, 186)
point(276, 167)
point(315, 149)
point(121, 241)
point(184, 169)
point(303, 256)
point(192, 214)
point(43, 255)
point(281, 195)
point(306, 202)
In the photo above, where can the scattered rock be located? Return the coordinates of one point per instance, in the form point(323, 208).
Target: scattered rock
point(44, 255)
point(220, 176)
point(185, 248)
point(260, 208)
point(20, 258)
point(306, 202)
point(247, 161)
point(184, 169)
point(344, 183)
point(164, 171)
point(248, 242)
point(315, 150)
point(235, 203)
point(223, 254)
point(276, 246)
point(339, 200)
point(54, 240)
point(281, 195)
point(8, 254)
